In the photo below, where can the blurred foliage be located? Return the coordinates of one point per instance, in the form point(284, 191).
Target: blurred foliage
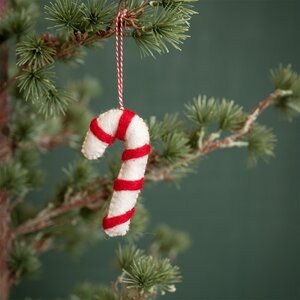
point(285, 78)
point(23, 260)
point(13, 178)
point(79, 176)
point(169, 242)
point(74, 234)
point(22, 212)
point(127, 254)
point(160, 129)
point(19, 20)
point(89, 291)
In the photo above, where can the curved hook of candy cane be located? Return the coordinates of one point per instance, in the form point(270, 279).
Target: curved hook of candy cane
point(126, 126)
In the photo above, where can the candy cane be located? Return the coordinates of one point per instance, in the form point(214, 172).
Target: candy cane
point(126, 126)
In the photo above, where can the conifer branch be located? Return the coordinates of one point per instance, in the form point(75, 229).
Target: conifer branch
point(47, 216)
point(231, 140)
point(153, 25)
point(47, 142)
point(212, 144)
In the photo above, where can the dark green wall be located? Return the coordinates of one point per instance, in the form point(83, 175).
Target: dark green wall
point(244, 223)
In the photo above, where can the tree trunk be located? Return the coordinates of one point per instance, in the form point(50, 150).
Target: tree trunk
point(4, 104)
point(5, 244)
point(5, 151)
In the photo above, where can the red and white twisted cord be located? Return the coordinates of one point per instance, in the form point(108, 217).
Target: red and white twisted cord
point(119, 55)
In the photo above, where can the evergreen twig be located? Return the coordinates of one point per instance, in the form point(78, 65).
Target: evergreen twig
point(233, 140)
point(47, 216)
point(47, 142)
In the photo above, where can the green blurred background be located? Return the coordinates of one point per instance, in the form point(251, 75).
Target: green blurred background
point(244, 223)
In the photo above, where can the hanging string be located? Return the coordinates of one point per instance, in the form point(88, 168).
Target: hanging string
point(119, 55)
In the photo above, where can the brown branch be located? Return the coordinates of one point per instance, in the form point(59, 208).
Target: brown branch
point(63, 50)
point(47, 142)
point(230, 141)
point(69, 48)
point(210, 145)
point(47, 216)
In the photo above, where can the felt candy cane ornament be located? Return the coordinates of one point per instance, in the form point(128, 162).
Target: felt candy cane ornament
point(126, 126)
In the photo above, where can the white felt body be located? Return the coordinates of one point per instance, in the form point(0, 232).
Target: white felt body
point(136, 136)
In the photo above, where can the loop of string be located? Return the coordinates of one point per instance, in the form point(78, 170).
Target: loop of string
point(119, 55)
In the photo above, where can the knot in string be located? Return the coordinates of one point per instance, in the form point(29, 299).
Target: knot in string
point(119, 54)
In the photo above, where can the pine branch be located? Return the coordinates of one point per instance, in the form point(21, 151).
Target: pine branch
point(151, 276)
point(285, 78)
point(47, 216)
point(231, 141)
point(34, 52)
point(18, 20)
point(153, 24)
point(48, 142)
point(23, 260)
point(169, 242)
point(214, 143)
point(66, 48)
point(144, 276)
point(89, 291)
point(68, 129)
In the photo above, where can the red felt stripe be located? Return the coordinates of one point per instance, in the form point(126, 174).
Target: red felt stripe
point(124, 122)
point(100, 133)
point(136, 153)
point(128, 185)
point(117, 220)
